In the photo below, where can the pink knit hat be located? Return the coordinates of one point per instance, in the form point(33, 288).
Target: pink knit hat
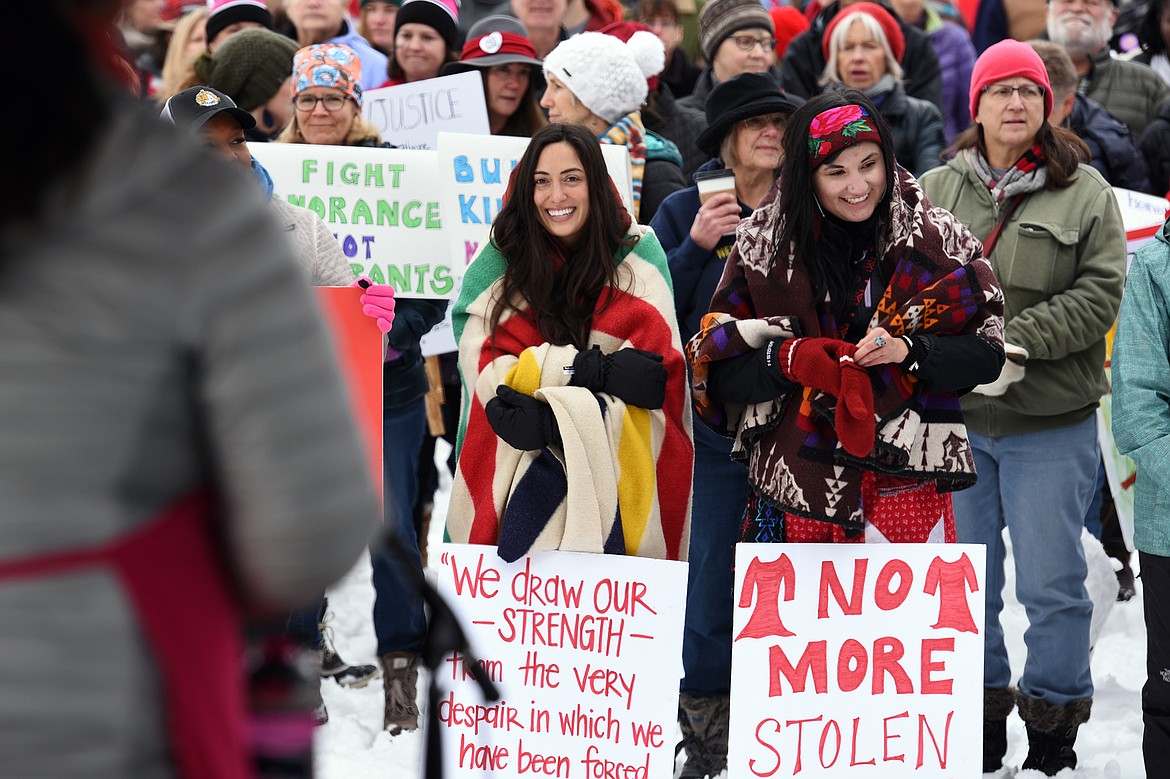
point(1008, 59)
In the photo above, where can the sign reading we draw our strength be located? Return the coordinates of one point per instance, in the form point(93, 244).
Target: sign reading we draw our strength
point(586, 652)
point(857, 660)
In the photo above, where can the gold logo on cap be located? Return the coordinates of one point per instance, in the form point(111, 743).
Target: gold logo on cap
point(206, 99)
point(491, 42)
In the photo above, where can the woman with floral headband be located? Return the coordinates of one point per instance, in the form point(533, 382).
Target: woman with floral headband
point(844, 328)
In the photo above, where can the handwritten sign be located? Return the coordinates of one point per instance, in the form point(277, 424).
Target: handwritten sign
point(587, 653)
point(1142, 216)
point(382, 204)
point(411, 115)
point(857, 660)
point(475, 171)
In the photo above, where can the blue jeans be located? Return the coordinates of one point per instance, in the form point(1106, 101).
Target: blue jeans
point(399, 621)
point(720, 495)
point(1039, 485)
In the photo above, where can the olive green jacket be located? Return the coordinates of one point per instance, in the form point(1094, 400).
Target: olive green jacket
point(1061, 263)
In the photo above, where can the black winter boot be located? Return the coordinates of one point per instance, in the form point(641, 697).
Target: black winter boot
point(704, 723)
point(997, 705)
point(1052, 751)
point(1052, 732)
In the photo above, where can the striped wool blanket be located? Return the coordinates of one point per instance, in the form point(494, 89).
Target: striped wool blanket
point(621, 481)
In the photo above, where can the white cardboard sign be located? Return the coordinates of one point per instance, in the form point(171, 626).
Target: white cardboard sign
point(857, 660)
point(410, 116)
point(382, 204)
point(587, 653)
point(475, 171)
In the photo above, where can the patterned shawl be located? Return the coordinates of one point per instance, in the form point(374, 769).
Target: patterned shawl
point(631, 133)
point(621, 482)
point(939, 283)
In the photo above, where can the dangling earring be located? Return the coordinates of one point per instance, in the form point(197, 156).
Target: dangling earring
point(817, 200)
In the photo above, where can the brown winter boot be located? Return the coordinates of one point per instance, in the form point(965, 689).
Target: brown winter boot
point(704, 722)
point(400, 685)
point(1052, 731)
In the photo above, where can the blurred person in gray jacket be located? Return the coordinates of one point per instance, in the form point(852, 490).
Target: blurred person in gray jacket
point(177, 445)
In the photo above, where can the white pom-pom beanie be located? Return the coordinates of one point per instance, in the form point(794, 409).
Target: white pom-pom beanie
point(605, 74)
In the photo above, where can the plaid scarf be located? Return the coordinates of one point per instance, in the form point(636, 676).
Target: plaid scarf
point(939, 284)
point(1028, 174)
point(631, 133)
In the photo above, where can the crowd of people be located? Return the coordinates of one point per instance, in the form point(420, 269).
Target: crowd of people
point(862, 292)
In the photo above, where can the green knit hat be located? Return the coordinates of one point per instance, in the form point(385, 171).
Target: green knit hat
point(250, 66)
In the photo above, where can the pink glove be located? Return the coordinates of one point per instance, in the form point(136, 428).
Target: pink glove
point(377, 302)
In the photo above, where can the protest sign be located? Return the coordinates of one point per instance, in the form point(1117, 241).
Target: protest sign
point(586, 651)
point(1141, 216)
point(858, 660)
point(475, 170)
point(382, 204)
point(410, 115)
point(359, 351)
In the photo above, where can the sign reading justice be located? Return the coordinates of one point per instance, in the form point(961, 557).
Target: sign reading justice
point(857, 660)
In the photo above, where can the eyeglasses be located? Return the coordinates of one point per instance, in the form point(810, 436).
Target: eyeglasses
point(305, 102)
point(1002, 92)
point(779, 121)
point(748, 42)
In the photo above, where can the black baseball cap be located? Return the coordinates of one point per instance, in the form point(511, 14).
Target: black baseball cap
point(194, 107)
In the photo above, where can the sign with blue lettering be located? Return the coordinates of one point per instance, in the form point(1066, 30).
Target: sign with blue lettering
point(474, 170)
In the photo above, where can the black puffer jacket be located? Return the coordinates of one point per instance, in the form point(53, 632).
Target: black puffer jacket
point(803, 65)
point(918, 130)
point(1114, 152)
point(1155, 146)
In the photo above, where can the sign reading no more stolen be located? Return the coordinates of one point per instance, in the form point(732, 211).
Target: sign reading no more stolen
point(857, 660)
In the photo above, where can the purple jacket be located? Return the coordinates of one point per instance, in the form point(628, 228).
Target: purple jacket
point(956, 58)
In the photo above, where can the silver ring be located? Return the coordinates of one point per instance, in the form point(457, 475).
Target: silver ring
point(879, 341)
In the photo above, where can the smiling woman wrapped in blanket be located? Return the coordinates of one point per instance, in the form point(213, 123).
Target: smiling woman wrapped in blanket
point(574, 431)
point(850, 316)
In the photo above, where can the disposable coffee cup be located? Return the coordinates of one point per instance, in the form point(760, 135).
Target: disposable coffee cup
point(712, 182)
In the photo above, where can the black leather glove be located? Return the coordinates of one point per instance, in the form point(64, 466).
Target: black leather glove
point(635, 376)
point(522, 421)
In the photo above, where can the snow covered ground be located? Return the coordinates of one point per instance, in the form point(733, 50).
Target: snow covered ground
point(353, 746)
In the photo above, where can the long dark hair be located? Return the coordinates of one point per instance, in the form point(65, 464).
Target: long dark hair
point(822, 242)
point(80, 104)
point(561, 299)
point(1062, 149)
point(527, 118)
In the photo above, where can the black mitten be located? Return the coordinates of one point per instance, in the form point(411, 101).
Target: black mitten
point(636, 376)
point(522, 421)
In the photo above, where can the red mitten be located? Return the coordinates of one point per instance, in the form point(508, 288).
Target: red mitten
point(826, 364)
point(854, 415)
point(812, 362)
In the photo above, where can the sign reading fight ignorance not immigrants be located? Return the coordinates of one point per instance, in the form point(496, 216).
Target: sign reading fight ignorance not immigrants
point(857, 660)
point(586, 652)
point(382, 204)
